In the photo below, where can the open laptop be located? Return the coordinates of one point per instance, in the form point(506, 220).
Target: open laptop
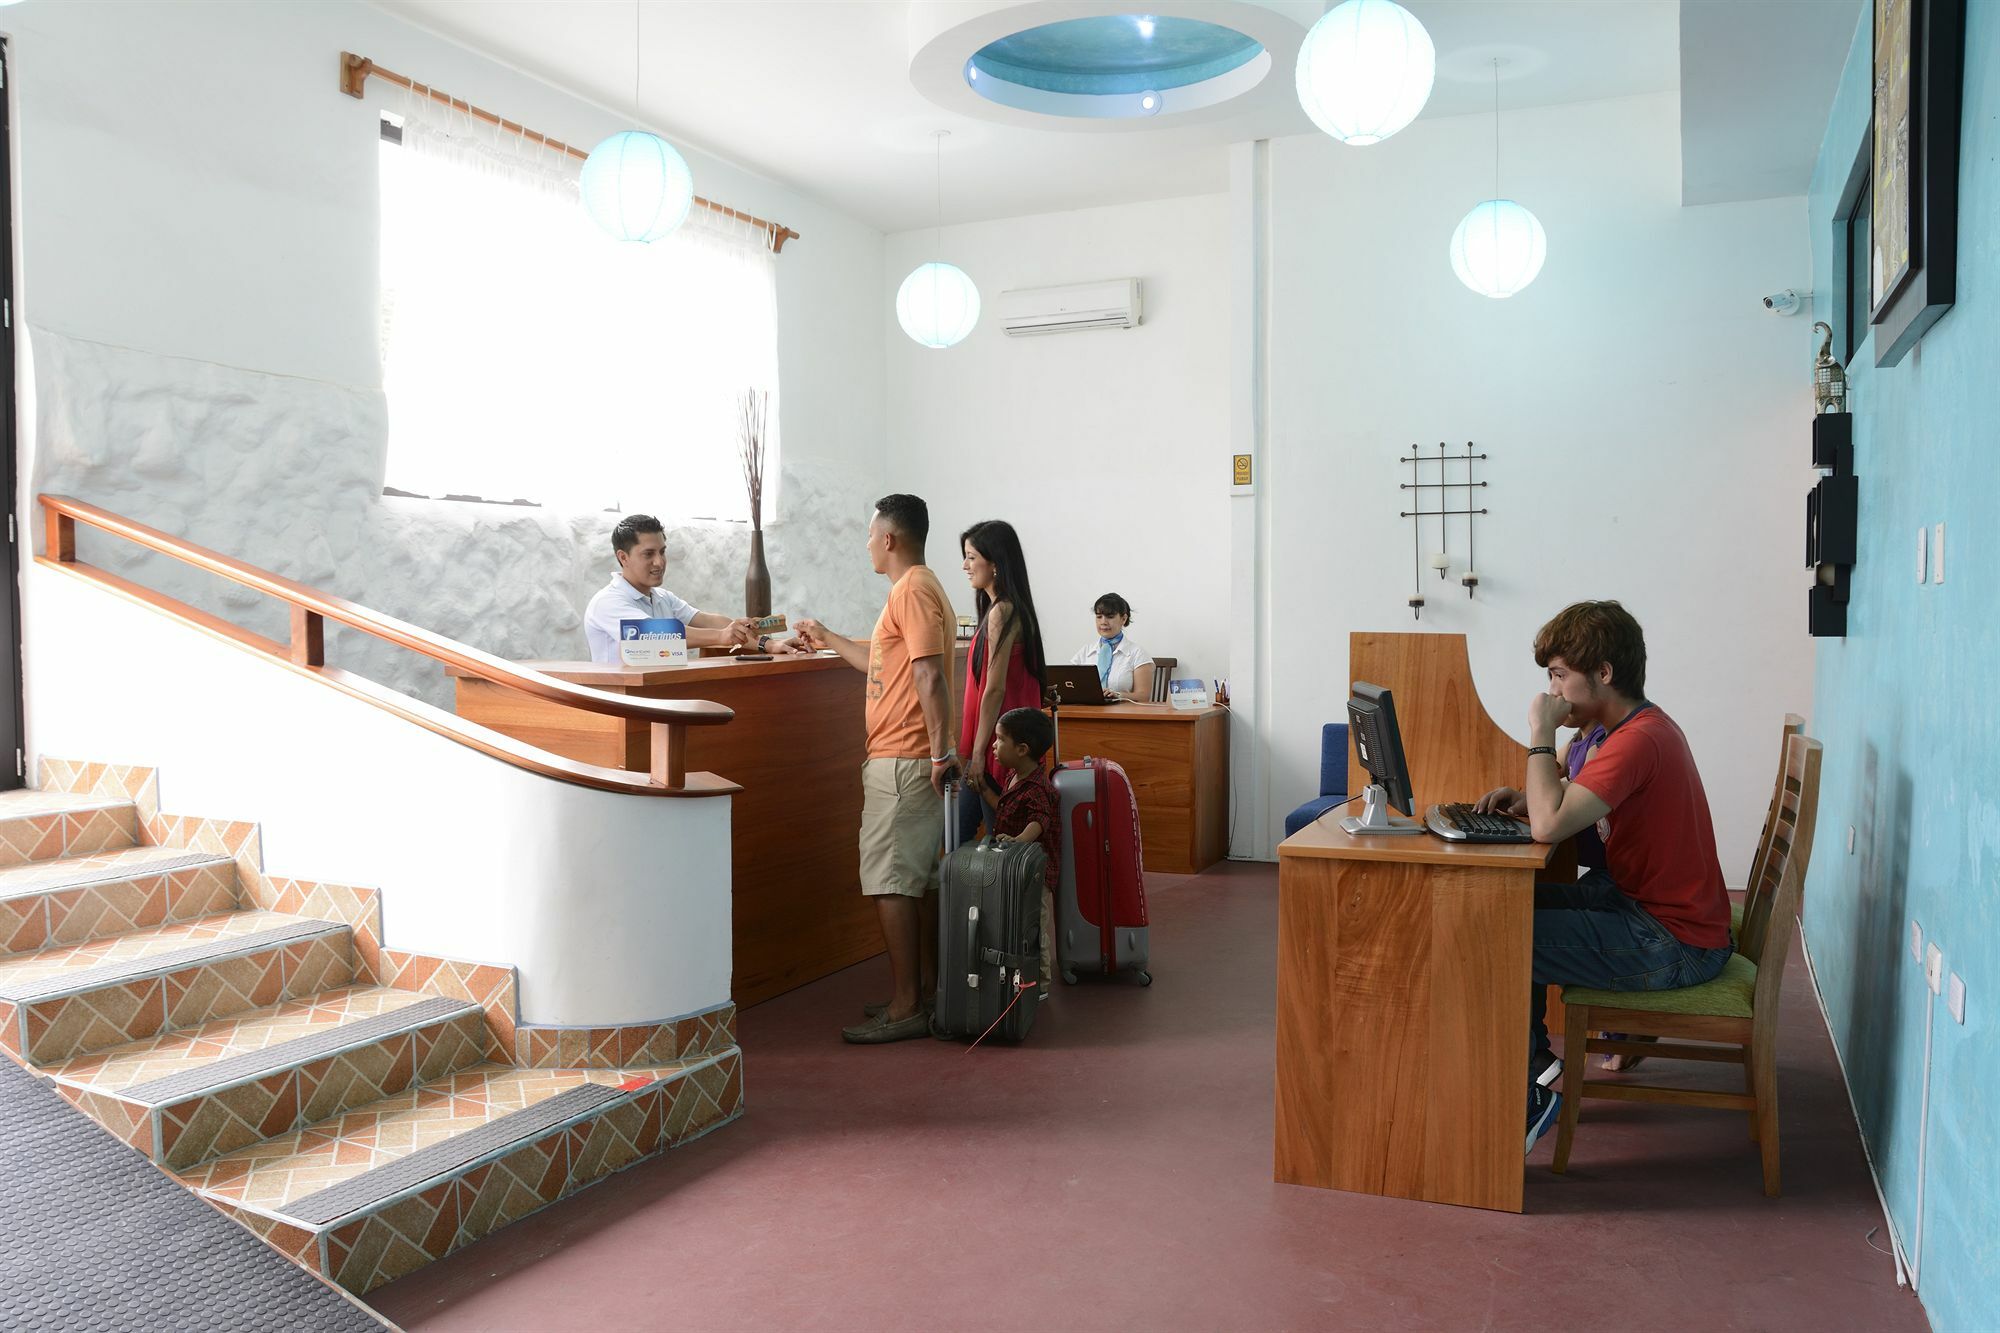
point(1075, 684)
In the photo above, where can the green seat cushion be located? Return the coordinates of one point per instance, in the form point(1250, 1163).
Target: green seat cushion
point(1727, 995)
point(1735, 920)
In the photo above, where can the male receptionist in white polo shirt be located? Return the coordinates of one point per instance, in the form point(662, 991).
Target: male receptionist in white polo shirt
point(634, 593)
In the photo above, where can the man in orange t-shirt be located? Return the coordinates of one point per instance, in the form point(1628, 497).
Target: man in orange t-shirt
point(908, 661)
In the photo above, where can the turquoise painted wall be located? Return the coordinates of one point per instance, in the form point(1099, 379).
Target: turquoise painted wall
point(1906, 705)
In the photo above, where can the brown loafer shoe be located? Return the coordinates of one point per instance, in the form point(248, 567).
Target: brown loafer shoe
point(880, 1029)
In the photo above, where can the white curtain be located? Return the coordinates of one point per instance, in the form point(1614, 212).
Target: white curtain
point(527, 355)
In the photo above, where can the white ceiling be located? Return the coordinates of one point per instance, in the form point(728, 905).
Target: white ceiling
point(1757, 83)
point(819, 94)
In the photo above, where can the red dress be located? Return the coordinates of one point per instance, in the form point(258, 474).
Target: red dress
point(1022, 691)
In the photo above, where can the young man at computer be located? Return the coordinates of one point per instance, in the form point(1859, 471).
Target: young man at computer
point(1657, 916)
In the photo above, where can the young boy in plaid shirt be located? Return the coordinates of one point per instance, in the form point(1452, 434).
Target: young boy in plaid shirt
point(1029, 809)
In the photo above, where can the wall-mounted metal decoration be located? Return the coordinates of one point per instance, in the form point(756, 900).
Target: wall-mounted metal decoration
point(1829, 380)
point(1832, 518)
point(1447, 493)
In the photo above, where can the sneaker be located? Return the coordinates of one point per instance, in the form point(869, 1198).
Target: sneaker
point(1550, 1074)
point(880, 1029)
point(1542, 1108)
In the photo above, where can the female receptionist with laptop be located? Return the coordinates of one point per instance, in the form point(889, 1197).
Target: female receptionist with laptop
point(1124, 669)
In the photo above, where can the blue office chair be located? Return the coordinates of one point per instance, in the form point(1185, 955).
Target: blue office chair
point(1332, 778)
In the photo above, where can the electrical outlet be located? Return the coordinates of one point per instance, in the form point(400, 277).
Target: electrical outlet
point(1916, 942)
point(1954, 997)
point(1937, 554)
point(1934, 969)
point(1850, 839)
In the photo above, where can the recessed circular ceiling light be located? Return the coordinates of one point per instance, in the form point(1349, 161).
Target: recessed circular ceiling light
point(1117, 66)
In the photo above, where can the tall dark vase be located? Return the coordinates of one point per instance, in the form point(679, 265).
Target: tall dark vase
point(757, 583)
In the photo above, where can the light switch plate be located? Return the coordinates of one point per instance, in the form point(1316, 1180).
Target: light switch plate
point(1934, 968)
point(1954, 997)
point(1916, 942)
point(1937, 554)
point(1923, 547)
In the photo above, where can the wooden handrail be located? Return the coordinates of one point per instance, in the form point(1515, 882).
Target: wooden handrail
point(306, 652)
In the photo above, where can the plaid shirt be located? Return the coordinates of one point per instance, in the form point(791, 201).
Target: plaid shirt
point(1028, 800)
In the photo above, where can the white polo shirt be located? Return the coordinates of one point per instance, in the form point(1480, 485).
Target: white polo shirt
point(1127, 656)
point(619, 600)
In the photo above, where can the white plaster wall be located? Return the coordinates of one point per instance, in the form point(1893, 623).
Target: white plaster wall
point(1645, 416)
point(614, 908)
point(1107, 450)
point(199, 271)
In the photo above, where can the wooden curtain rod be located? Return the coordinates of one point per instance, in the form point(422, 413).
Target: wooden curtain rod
point(355, 71)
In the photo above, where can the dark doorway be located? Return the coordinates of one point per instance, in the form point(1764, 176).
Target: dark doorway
point(13, 752)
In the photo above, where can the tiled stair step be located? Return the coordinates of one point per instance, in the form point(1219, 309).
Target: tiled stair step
point(70, 1000)
point(46, 825)
point(94, 897)
point(386, 1188)
point(182, 1097)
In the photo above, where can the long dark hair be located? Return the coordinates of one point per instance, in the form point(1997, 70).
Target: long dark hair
point(996, 540)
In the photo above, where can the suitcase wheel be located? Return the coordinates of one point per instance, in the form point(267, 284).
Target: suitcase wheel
point(1069, 978)
point(1145, 978)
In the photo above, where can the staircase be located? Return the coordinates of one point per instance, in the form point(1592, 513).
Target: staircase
point(358, 1109)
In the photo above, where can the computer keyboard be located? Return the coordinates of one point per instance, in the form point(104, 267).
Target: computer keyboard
point(1461, 823)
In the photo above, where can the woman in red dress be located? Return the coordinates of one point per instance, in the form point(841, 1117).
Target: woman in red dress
point(1003, 669)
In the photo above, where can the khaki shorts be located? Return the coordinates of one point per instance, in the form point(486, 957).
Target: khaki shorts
point(902, 827)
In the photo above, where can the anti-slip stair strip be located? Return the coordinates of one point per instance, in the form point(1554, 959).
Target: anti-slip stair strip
point(392, 1179)
point(134, 868)
point(135, 969)
point(253, 1065)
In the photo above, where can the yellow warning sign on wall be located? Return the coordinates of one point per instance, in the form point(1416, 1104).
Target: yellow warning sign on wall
point(1241, 470)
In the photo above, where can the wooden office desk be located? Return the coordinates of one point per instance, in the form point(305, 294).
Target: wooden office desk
point(1178, 760)
point(796, 745)
point(1404, 964)
point(1402, 1046)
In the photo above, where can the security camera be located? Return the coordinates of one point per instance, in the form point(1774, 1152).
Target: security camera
point(1782, 303)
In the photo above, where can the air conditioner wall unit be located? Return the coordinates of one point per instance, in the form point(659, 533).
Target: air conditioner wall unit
point(1113, 304)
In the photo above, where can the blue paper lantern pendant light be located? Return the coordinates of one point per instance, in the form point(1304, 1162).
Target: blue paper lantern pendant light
point(1365, 70)
point(938, 304)
point(634, 184)
point(1499, 246)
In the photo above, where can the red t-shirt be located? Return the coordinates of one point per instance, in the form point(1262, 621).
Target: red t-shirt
point(1659, 842)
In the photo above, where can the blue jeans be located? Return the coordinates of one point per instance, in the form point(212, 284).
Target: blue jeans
point(1591, 933)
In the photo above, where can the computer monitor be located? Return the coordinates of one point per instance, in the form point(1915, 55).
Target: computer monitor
point(1378, 744)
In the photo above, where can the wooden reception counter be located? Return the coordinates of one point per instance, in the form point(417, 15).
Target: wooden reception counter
point(796, 746)
point(1178, 760)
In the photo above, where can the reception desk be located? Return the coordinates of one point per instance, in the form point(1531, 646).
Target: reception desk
point(796, 746)
point(1178, 760)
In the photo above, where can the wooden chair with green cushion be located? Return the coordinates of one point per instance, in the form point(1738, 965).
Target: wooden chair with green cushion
point(1794, 726)
point(1735, 1015)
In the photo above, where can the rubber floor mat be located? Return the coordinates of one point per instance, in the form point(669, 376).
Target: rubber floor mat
point(97, 1238)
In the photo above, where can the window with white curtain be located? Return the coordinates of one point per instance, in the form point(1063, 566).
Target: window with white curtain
point(528, 356)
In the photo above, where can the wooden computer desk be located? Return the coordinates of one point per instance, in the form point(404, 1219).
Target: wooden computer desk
point(1178, 760)
point(1404, 965)
point(796, 745)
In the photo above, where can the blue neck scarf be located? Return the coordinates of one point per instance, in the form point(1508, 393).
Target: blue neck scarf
point(1104, 649)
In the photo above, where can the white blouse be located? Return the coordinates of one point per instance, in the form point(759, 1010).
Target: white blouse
point(1127, 656)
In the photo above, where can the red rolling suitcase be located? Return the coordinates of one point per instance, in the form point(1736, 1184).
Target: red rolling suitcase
point(1101, 902)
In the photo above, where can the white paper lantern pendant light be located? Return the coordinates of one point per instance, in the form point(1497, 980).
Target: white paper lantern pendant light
point(1499, 246)
point(1365, 70)
point(937, 304)
point(635, 185)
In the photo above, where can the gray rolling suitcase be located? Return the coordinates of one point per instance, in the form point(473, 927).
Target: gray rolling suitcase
point(989, 937)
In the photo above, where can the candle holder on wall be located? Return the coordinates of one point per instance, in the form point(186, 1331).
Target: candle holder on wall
point(1448, 493)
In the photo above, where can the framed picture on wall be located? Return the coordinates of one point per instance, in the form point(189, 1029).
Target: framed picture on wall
point(1919, 71)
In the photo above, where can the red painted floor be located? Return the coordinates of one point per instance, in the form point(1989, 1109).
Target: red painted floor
point(1115, 1172)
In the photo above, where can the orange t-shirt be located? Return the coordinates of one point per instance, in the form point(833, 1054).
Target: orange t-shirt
point(917, 622)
